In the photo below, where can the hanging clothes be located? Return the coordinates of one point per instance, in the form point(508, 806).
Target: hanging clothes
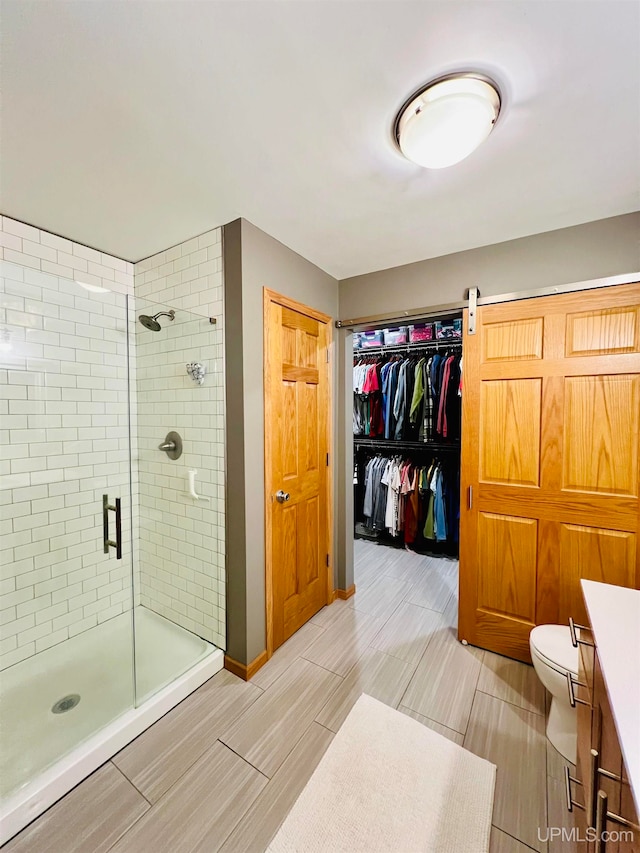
point(411, 398)
point(391, 381)
point(409, 501)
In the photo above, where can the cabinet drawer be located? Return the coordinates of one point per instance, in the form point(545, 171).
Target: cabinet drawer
point(604, 739)
point(629, 838)
point(585, 714)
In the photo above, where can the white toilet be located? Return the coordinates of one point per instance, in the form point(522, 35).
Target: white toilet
point(553, 656)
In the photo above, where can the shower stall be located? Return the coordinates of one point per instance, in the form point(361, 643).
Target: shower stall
point(112, 519)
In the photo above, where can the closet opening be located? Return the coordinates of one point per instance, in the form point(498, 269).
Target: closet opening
point(407, 387)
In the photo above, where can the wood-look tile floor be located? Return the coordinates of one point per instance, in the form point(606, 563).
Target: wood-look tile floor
point(222, 769)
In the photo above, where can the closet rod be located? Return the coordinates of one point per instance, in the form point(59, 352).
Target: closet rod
point(403, 445)
point(444, 343)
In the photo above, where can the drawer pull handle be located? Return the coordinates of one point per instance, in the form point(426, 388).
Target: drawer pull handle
point(600, 771)
point(616, 818)
point(608, 775)
point(602, 816)
point(568, 779)
point(595, 757)
point(601, 821)
point(571, 681)
point(575, 640)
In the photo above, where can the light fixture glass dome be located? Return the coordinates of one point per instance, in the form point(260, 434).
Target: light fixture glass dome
point(447, 120)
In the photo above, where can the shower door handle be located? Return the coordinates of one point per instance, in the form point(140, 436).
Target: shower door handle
point(109, 543)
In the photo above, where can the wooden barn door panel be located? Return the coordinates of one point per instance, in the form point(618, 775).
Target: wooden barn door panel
point(550, 472)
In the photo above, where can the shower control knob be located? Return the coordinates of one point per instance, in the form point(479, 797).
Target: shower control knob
point(282, 497)
point(172, 445)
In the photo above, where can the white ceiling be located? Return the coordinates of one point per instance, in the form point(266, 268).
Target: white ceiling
point(131, 126)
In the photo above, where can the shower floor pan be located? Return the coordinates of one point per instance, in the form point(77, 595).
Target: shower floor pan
point(68, 709)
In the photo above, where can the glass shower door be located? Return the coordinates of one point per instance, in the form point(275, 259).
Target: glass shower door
point(178, 456)
point(66, 652)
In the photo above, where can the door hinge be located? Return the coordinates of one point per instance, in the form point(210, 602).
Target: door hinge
point(327, 560)
point(328, 355)
point(327, 460)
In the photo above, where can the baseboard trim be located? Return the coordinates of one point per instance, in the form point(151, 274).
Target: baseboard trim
point(245, 671)
point(345, 593)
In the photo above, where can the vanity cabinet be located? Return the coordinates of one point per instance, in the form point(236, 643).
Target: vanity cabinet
point(608, 811)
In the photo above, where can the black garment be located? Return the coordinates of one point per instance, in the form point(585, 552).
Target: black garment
point(452, 401)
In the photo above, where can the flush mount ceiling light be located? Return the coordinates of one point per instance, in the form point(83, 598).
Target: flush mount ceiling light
point(447, 119)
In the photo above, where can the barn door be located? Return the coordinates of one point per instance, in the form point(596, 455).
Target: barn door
point(550, 480)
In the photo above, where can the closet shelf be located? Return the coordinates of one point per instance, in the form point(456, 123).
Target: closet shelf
point(390, 444)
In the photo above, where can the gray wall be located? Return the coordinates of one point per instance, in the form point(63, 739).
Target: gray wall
point(595, 250)
point(253, 261)
point(343, 482)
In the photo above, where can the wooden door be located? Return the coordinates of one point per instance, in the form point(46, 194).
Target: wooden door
point(549, 479)
point(297, 437)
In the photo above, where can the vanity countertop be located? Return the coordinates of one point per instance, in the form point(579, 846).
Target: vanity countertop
point(614, 613)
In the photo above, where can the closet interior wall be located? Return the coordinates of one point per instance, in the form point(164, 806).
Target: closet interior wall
point(406, 432)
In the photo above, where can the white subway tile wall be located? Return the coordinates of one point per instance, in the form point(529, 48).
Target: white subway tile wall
point(181, 553)
point(64, 435)
point(64, 413)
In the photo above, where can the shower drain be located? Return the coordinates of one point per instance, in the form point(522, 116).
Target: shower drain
point(66, 703)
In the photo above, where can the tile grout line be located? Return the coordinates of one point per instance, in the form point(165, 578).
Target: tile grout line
point(524, 844)
point(384, 624)
point(475, 692)
point(242, 758)
point(395, 657)
point(297, 657)
point(502, 699)
point(250, 806)
point(326, 728)
point(400, 602)
point(435, 722)
point(193, 763)
point(329, 698)
point(430, 640)
point(269, 778)
point(133, 785)
point(136, 821)
point(326, 669)
point(546, 787)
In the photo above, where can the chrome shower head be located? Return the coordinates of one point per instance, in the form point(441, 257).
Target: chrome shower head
point(151, 323)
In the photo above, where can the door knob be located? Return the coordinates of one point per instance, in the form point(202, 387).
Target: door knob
point(282, 497)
